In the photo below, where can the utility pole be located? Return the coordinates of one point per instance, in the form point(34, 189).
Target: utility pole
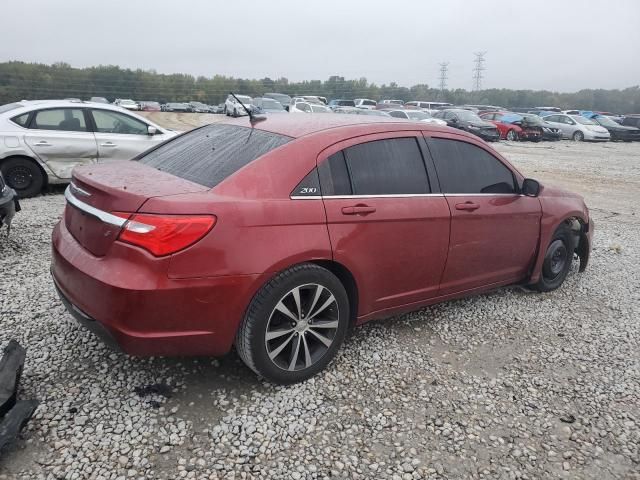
point(478, 69)
point(444, 67)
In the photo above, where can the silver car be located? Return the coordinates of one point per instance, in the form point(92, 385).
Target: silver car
point(42, 140)
point(577, 127)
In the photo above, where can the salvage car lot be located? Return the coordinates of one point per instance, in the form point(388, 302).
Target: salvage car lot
point(505, 385)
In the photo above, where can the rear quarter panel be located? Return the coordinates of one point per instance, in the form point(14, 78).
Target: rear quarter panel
point(259, 228)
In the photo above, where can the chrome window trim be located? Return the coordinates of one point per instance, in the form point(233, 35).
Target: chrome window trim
point(105, 217)
point(403, 195)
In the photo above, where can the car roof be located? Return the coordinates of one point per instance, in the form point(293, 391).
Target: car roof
point(28, 105)
point(300, 125)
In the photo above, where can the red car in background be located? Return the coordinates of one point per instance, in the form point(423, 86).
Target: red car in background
point(279, 236)
point(511, 131)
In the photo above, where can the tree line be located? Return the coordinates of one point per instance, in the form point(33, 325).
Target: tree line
point(20, 80)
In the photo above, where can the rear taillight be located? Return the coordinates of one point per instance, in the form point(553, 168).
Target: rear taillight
point(164, 234)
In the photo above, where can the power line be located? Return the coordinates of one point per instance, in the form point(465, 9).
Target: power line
point(478, 69)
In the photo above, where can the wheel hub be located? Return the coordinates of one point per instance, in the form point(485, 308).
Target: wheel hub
point(302, 327)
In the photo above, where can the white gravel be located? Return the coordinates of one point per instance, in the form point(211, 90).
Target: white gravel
point(477, 388)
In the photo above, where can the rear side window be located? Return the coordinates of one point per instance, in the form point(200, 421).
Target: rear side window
point(334, 177)
point(66, 119)
point(465, 168)
point(210, 154)
point(387, 167)
point(21, 119)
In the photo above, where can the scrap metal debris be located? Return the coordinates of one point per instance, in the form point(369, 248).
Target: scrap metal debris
point(14, 413)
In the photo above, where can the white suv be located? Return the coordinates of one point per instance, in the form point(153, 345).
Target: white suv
point(43, 140)
point(365, 103)
point(233, 108)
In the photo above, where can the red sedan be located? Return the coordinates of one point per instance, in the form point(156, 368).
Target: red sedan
point(278, 237)
point(512, 131)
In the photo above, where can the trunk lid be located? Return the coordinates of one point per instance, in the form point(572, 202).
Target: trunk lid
point(96, 191)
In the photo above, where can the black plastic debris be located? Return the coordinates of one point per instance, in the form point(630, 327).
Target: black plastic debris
point(161, 389)
point(14, 413)
point(568, 419)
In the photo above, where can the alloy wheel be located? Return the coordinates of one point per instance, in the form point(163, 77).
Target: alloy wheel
point(302, 327)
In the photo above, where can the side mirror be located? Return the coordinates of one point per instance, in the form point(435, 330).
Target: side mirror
point(151, 130)
point(453, 120)
point(530, 187)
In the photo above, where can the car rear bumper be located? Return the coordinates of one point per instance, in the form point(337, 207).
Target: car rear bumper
point(130, 305)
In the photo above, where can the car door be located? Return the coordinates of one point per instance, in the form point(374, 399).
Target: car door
point(61, 139)
point(564, 123)
point(385, 224)
point(494, 229)
point(120, 136)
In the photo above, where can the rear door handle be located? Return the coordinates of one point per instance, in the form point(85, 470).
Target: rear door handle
point(42, 143)
point(108, 144)
point(358, 210)
point(469, 206)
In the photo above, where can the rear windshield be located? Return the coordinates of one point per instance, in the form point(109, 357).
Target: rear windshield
point(210, 154)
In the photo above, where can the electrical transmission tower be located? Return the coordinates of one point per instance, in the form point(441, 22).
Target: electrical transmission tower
point(444, 67)
point(478, 69)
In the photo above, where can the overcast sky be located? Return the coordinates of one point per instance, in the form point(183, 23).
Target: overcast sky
point(545, 44)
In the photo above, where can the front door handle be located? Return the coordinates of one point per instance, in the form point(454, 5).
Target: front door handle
point(108, 144)
point(43, 143)
point(358, 210)
point(469, 206)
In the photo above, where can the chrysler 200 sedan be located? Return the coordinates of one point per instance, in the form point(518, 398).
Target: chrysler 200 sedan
point(279, 236)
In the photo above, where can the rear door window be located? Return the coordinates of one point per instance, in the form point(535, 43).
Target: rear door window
point(210, 154)
point(465, 168)
point(64, 119)
point(386, 167)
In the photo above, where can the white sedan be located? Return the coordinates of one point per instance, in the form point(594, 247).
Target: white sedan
point(45, 139)
point(416, 116)
point(577, 127)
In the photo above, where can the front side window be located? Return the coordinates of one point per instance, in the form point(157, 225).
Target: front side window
point(64, 119)
point(382, 167)
point(466, 168)
point(115, 122)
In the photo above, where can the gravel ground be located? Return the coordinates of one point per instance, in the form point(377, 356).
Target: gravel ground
point(505, 385)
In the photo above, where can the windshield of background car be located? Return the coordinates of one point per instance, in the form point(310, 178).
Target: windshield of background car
point(468, 116)
point(369, 102)
point(128, 102)
point(271, 104)
point(209, 154)
point(583, 120)
point(606, 121)
point(244, 99)
point(320, 109)
point(417, 115)
point(533, 120)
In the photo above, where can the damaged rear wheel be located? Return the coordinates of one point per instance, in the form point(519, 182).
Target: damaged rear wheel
point(23, 175)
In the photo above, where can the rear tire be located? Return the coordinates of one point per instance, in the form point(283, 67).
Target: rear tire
point(512, 136)
point(23, 175)
point(578, 136)
point(294, 325)
point(557, 259)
